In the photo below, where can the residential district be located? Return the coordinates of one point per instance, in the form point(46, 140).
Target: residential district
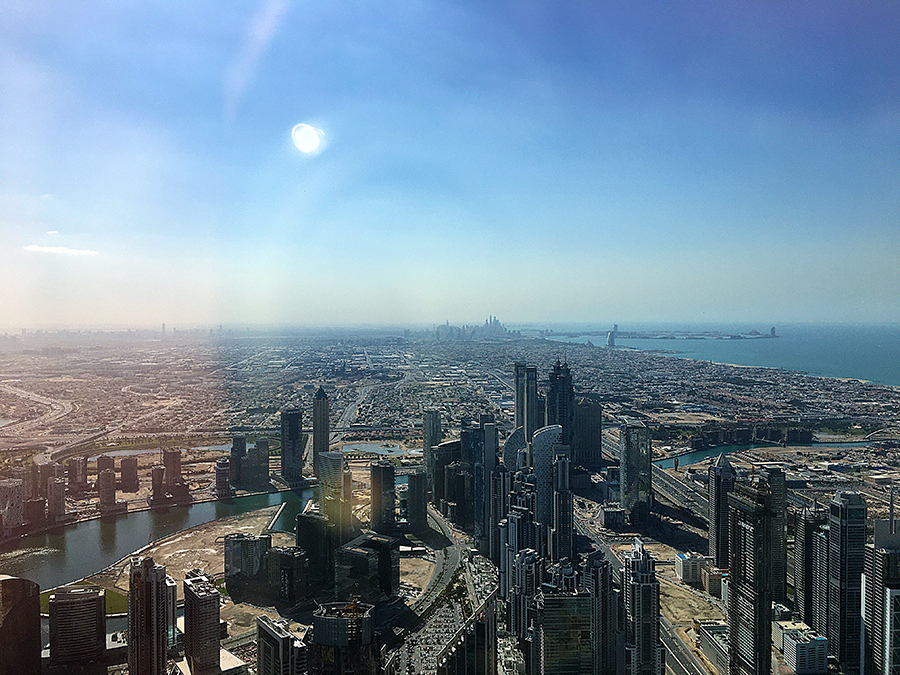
point(454, 500)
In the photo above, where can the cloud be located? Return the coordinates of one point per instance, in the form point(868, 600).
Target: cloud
point(59, 250)
point(53, 233)
point(262, 30)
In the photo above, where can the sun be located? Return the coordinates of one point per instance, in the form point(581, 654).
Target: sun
point(306, 138)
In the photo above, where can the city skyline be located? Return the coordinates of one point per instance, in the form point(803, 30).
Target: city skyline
point(276, 162)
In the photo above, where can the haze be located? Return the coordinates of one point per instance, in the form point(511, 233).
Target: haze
point(553, 161)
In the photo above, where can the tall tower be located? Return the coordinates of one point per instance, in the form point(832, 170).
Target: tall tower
point(151, 616)
point(292, 445)
point(532, 418)
point(343, 640)
point(721, 482)
point(846, 555)
point(321, 433)
point(749, 577)
point(809, 521)
point(77, 627)
point(431, 438)
point(881, 600)
point(587, 434)
point(519, 384)
point(201, 622)
point(563, 525)
point(172, 463)
point(561, 401)
point(635, 471)
point(774, 474)
point(565, 612)
point(546, 445)
point(20, 626)
point(597, 579)
point(644, 652)
point(513, 446)
point(382, 503)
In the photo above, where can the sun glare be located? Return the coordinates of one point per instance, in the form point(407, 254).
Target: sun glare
point(307, 139)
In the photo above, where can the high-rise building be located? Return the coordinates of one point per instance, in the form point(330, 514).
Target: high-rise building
point(201, 622)
point(881, 600)
point(563, 525)
point(532, 403)
point(546, 445)
point(288, 573)
point(105, 462)
point(635, 471)
point(431, 438)
point(12, 503)
point(382, 502)
point(130, 480)
point(809, 521)
point(484, 445)
point(279, 650)
point(564, 609)
point(513, 447)
point(774, 474)
point(20, 626)
point(560, 402)
point(587, 434)
point(172, 463)
point(721, 482)
point(846, 555)
point(644, 652)
point(106, 489)
point(77, 628)
point(519, 392)
point(238, 452)
point(292, 446)
point(76, 472)
point(749, 578)
point(151, 617)
point(343, 640)
point(56, 498)
point(820, 580)
point(526, 577)
point(223, 478)
point(319, 538)
point(321, 431)
point(597, 580)
point(245, 553)
point(417, 501)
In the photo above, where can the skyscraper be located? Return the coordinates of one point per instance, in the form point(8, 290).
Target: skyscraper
point(20, 626)
point(279, 650)
point(644, 652)
point(343, 640)
point(172, 463)
point(635, 476)
point(532, 419)
point(512, 447)
point(881, 600)
point(201, 622)
point(563, 525)
point(565, 622)
point(151, 617)
point(292, 445)
point(809, 521)
point(597, 579)
point(560, 401)
point(749, 578)
point(546, 444)
point(774, 474)
point(846, 555)
point(519, 391)
point(721, 482)
point(431, 437)
point(77, 628)
point(587, 434)
point(321, 432)
point(382, 502)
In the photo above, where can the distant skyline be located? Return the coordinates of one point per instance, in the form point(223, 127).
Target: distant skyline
point(301, 163)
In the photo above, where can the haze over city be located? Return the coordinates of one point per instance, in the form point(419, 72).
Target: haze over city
point(548, 161)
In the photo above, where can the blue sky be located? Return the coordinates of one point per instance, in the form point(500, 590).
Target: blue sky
point(539, 161)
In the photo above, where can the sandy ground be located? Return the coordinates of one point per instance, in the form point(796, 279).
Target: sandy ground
point(200, 547)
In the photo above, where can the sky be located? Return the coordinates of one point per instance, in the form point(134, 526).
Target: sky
point(540, 161)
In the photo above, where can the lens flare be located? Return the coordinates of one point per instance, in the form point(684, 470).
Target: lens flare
point(307, 139)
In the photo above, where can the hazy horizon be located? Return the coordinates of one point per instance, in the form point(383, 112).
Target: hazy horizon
point(279, 162)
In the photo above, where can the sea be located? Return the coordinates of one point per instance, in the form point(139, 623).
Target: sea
point(859, 351)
